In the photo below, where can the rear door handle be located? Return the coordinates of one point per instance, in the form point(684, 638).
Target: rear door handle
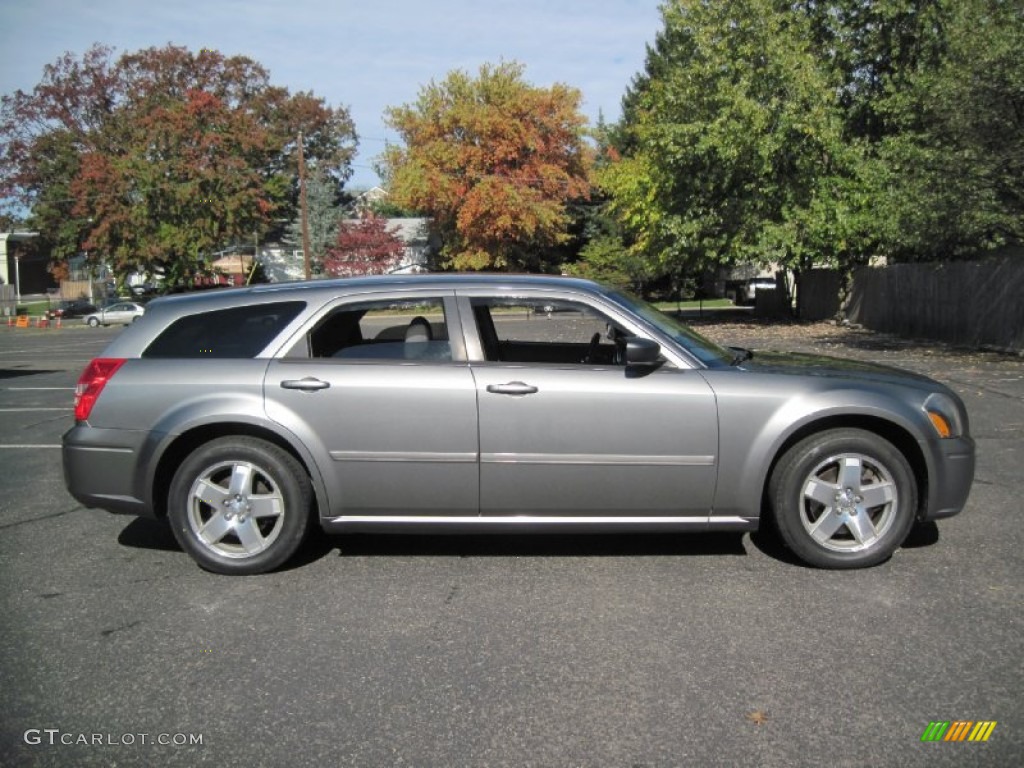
point(308, 384)
point(512, 388)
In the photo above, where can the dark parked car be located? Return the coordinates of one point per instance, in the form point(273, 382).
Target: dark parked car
point(69, 309)
point(447, 403)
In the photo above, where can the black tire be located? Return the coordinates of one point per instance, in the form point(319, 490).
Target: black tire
point(835, 524)
point(94, 322)
point(252, 531)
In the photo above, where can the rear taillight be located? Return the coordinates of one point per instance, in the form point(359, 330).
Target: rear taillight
point(92, 381)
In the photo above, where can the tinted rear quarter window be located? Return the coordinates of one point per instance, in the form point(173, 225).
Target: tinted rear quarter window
point(239, 332)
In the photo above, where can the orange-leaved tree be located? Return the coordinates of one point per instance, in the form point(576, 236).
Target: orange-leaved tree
point(494, 161)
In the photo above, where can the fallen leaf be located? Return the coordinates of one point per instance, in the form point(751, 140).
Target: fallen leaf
point(758, 717)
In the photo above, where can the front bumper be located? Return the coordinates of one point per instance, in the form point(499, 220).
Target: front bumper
point(950, 477)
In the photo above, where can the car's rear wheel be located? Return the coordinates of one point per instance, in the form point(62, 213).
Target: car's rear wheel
point(94, 322)
point(844, 498)
point(240, 505)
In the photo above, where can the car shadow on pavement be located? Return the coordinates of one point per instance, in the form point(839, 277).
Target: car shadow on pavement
point(767, 541)
point(922, 535)
point(539, 545)
point(145, 533)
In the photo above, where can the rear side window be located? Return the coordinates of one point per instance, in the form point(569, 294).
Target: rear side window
point(239, 332)
point(388, 329)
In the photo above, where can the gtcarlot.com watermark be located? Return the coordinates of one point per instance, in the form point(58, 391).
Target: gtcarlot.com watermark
point(53, 737)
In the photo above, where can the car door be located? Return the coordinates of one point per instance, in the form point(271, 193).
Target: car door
point(568, 430)
point(117, 313)
point(384, 398)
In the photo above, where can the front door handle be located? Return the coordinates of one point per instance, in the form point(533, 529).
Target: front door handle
point(512, 388)
point(308, 384)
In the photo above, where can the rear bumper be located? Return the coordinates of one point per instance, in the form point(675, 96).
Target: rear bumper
point(100, 468)
point(950, 479)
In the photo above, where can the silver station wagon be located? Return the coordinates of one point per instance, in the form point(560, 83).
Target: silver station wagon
point(494, 403)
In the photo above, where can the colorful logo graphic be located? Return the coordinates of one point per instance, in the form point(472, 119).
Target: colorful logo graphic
point(958, 730)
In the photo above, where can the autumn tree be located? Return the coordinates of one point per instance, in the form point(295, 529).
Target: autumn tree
point(161, 156)
point(364, 246)
point(494, 161)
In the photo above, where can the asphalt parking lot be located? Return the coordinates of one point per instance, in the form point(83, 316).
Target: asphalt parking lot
point(473, 651)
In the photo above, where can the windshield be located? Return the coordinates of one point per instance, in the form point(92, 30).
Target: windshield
point(705, 350)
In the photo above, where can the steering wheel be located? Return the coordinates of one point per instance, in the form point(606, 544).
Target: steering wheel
point(619, 356)
point(592, 350)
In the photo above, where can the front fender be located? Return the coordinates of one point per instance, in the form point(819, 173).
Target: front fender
point(755, 425)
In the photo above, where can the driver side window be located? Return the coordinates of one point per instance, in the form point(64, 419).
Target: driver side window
point(551, 331)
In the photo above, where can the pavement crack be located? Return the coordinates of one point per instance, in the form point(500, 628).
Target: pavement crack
point(129, 625)
point(62, 417)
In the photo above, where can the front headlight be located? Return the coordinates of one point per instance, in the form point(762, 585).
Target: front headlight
point(944, 415)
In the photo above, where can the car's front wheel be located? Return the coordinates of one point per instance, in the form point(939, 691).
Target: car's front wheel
point(844, 498)
point(94, 322)
point(240, 505)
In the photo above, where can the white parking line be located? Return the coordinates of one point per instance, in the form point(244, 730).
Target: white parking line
point(60, 347)
point(31, 389)
point(32, 445)
point(32, 410)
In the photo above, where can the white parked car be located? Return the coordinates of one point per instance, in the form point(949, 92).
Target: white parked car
point(122, 313)
point(748, 292)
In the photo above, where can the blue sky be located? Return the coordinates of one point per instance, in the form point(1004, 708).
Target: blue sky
point(364, 55)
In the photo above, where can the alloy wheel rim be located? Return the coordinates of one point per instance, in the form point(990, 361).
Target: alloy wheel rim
point(848, 502)
point(235, 509)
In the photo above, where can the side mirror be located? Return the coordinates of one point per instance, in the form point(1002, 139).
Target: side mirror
point(642, 351)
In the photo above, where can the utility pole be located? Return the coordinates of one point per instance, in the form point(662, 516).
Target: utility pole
point(303, 212)
point(255, 255)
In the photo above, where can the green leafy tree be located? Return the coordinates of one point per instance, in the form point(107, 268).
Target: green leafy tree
point(872, 46)
point(822, 133)
point(494, 161)
point(323, 215)
point(732, 142)
point(162, 156)
point(951, 178)
point(606, 260)
point(932, 91)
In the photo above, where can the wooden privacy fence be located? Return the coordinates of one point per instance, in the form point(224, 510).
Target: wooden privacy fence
point(974, 303)
point(7, 299)
point(75, 289)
